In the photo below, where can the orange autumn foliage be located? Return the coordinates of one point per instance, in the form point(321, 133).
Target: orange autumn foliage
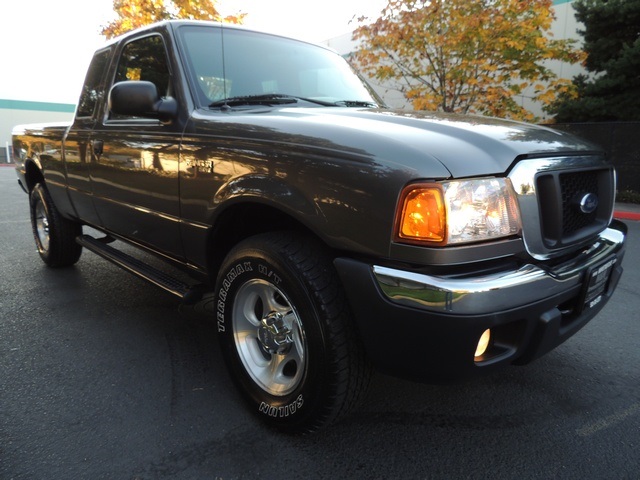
point(467, 56)
point(133, 14)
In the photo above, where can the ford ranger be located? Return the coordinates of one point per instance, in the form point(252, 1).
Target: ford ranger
point(335, 235)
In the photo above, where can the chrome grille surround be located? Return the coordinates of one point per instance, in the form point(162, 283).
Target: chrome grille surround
point(550, 192)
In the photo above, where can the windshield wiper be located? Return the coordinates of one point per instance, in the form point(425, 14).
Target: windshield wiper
point(266, 99)
point(271, 99)
point(282, 99)
point(355, 103)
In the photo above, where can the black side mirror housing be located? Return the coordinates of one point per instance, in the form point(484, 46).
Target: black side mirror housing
point(141, 99)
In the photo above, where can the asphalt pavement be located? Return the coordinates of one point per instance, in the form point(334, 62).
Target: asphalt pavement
point(105, 377)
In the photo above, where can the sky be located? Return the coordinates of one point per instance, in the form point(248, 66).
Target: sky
point(46, 45)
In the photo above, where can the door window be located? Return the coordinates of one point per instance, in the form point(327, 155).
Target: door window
point(145, 59)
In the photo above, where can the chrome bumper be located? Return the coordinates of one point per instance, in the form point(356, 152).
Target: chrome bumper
point(500, 291)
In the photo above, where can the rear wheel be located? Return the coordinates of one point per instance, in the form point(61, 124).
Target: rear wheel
point(286, 332)
point(54, 235)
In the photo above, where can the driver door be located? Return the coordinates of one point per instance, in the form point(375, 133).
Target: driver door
point(135, 164)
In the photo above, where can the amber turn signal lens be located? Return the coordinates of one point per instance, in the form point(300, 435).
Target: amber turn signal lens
point(423, 215)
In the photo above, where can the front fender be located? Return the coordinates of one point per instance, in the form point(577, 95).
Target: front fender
point(268, 190)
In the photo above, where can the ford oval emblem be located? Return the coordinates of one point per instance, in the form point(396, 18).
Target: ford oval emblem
point(589, 203)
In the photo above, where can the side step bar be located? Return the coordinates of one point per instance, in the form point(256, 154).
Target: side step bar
point(189, 294)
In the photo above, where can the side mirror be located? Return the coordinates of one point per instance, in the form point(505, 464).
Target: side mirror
point(141, 99)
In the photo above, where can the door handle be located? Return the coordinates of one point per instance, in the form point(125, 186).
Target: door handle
point(98, 147)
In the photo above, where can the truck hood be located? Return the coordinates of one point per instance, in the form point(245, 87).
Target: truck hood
point(432, 145)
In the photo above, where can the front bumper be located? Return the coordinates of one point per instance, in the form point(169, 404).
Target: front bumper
point(427, 327)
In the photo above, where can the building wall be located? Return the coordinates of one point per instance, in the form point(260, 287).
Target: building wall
point(564, 27)
point(18, 112)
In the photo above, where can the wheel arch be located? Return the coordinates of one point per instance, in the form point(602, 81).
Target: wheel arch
point(246, 219)
point(32, 174)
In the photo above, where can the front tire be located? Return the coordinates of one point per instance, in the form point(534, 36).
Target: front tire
point(286, 332)
point(55, 236)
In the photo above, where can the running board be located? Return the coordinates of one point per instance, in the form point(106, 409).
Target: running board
point(189, 294)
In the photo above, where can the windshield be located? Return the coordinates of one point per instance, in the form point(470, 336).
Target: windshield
point(257, 64)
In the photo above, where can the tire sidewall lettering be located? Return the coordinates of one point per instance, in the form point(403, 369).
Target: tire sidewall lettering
point(275, 411)
point(227, 282)
point(229, 279)
point(270, 274)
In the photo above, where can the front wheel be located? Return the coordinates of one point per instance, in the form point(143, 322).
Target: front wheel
point(55, 236)
point(286, 332)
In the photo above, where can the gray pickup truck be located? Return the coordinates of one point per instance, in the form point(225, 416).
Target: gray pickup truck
point(336, 235)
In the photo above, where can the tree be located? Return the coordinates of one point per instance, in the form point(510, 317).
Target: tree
point(469, 56)
point(137, 13)
point(612, 41)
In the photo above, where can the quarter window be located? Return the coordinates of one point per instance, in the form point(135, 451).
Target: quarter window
point(93, 88)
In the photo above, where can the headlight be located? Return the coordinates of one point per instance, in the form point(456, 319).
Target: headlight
point(456, 212)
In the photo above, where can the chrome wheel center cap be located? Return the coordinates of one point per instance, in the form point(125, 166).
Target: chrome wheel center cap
point(274, 335)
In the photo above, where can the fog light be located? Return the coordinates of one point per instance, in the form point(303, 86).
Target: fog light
point(483, 344)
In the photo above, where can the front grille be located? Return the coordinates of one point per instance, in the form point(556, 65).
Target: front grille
point(550, 193)
point(572, 187)
point(560, 194)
